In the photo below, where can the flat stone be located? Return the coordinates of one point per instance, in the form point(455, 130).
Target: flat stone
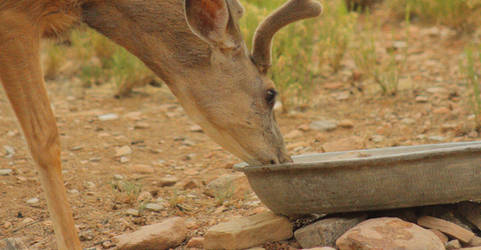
point(196, 242)
point(248, 232)
point(154, 207)
point(323, 125)
point(5, 171)
point(108, 117)
point(142, 169)
point(34, 200)
point(453, 244)
point(325, 232)
point(229, 186)
point(167, 181)
point(123, 151)
point(388, 233)
point(170, 233)
point(133, 212)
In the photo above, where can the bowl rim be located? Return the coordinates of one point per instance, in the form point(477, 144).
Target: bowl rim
point(427, 151)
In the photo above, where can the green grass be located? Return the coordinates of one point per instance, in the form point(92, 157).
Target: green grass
point(462, 15)
point(472, 75)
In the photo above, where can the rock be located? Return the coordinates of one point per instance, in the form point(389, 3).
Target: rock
point(247, 232)
point(124, 159)
point(453, 244)
point(388, 233)
point(133, 212)
point(141, 125)
point(170, 233)
point(108, 117)
point(196, 242)
point(195, 128)
point(346, 124)
point(144, 196)
point(154, 207)
point(7, 225)
point(167, 181)
point(421, 99)
point(32, 201)
point(89, 185)
point(444, 239)
point(9, 150)
point(377, 138)
point(343, 144)
point(122, 151)
point(325, 232)
point(5, 171)
point(142, 169)
point(73, 191)
point(26, 222)
point(437, 138)
point(12, 244)
point(107, 244)
point(118, 177)
point(229, 186)
point(446, 227)
point(471, 211)
point(323, 125)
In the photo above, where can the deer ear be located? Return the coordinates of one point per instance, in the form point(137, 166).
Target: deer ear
point(209, 20)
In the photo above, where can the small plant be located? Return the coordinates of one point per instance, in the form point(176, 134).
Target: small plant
point(127, 192)
point(462, 15)
point(472, 76)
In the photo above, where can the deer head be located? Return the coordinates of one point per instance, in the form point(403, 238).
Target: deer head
point(202, 57)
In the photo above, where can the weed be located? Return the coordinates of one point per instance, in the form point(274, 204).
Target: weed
point(127, 192)
point(472, 75)
point(462, 15)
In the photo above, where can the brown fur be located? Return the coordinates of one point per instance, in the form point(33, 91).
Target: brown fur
point(210, 72)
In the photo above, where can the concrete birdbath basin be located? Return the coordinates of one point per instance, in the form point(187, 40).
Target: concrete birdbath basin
point(370, 179)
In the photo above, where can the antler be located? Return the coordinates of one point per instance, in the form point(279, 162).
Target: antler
point(292, 11)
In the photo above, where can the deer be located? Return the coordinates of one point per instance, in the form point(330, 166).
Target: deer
point(194, 46)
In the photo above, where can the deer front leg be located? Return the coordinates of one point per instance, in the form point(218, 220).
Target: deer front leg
point(22, 79)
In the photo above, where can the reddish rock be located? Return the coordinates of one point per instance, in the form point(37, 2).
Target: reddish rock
point(167, 234)
point(388, 233)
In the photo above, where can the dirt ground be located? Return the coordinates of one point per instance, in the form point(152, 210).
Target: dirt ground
point(431, 107)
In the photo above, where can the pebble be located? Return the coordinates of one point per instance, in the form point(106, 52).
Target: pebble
point(437, 138)
point(6, 171)
point(154, 207)
point(142, 169)
point(144, 196)
point(421, 99)
point(122, 151)
point(377, 138)
point(323, 125)
point(229, 186)
point(33, 200)
point(89, 185)
point(346, 124)
point(7, 225)
point(73, 191)
point(118, 177)
point(195, 128)
point(133, 212)
point(141, 125)
point(167, 181)
point(108, 117)
point(10, 151)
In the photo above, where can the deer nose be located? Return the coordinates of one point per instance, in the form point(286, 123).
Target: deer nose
point(282, 157)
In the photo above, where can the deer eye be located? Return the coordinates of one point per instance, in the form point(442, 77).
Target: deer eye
point(271, 96)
